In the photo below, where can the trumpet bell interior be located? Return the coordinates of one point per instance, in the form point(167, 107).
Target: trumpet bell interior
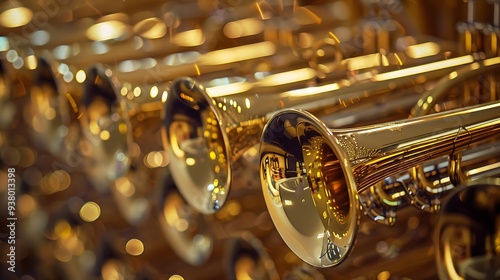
point(46, 108)
point(467, 231)
point(197, 146)
point(308, 189)
point(106, 128)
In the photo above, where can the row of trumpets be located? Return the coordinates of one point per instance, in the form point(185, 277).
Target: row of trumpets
point(315, 181)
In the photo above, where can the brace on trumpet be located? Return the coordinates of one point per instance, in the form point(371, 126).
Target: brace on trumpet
point(424, 185)
point(312, 176)
point(205, 134)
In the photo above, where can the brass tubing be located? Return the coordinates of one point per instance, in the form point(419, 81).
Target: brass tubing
point(308, 170)
point(205, 135)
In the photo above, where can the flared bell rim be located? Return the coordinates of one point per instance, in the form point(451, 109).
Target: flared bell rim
point(313, 247)
point(466, 228)
point(111, 141)
point(207, 197)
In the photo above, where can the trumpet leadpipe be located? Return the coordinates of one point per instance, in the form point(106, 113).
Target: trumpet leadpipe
point(312, 176)
point(423, 186)
point(483, 76)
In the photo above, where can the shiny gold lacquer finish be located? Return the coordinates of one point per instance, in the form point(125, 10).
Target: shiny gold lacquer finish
point(187, 232)
point(246, 258)
point(312, 176)
point(122, 156)
point(205, 135)
point(484, 90)
point(468, 230)
point(426, 184)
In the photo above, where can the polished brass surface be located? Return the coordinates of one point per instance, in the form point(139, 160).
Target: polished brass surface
point(51, 110)
point(425, 185)
point(477, 84)
point(467, 232)
point(246, 258)
point(69, 225)
point(187, 232)
point(205, 135)
point(312, 176)
point(122, 152)
point(118, 136)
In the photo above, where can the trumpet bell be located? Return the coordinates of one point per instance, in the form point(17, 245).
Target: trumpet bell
point(104, 128)
point(196, 146)
point(320, 234)
point(467, 232)
point(186, 231)
point(48, 111)
point(246, 258)
point(312, 176)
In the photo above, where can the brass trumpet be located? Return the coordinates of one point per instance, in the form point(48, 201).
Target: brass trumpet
point(120, 155)
point(246, 258)
point(205, 134)
point(186, 231)
point(426, 184)
point(312, 176)
point(52, 110)
point(123, 156)
point(466, 235)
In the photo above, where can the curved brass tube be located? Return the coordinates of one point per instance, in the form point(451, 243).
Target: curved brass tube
point(312, 176)
point(430, 102)
point(423, 186)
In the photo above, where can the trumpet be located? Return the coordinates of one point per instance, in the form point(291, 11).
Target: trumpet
point(123, 155)
point(186, 231)
point(205, 134)
point(466, 232)
point(424, 185)
point(312, 176)
point(117, 150)
point(246, 258)
point(52, 110)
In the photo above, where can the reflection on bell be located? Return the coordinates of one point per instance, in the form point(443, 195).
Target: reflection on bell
point(130, 130)
point(187, 232)
point(467, 233)
point(246, 258)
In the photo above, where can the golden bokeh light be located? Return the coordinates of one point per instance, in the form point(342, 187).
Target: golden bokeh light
point(134, 247)
point(90, 211)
